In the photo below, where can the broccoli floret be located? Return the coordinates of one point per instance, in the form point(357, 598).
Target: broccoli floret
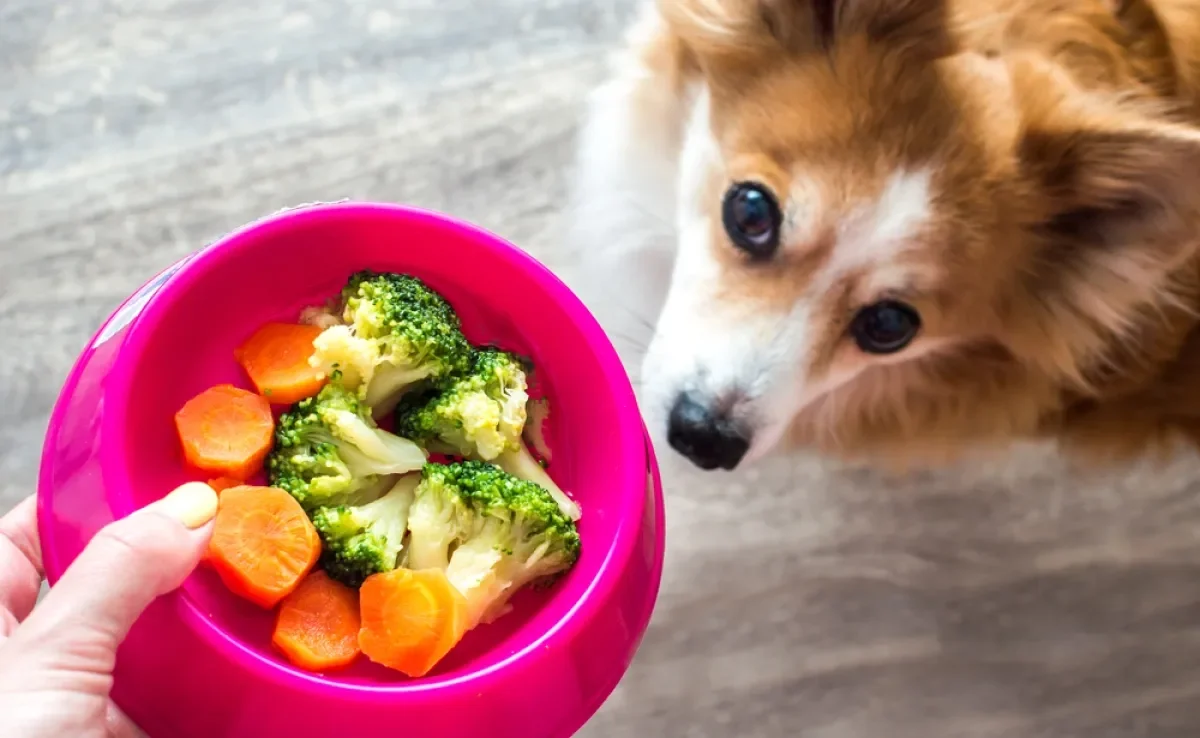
point(480, 415)
point(494, 533)
point(397, 333)
point(329, 451)
point(361, 540)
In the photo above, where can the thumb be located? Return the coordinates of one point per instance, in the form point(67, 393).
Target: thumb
point(122, 570)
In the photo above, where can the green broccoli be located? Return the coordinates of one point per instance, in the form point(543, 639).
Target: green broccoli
point(328, 451)
point(361, 540)
point(492, 532)
point(480, 415)
point(397, 332)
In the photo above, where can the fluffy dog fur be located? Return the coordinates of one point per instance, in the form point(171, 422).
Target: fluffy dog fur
point(1026, 173)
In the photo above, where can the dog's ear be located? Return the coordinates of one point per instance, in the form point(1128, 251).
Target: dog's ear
point(1110, 195)
point(1130, 190)
point(1107, 178)
point(1124, 187)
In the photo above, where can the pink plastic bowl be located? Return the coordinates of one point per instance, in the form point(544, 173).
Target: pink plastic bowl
point(199, 663)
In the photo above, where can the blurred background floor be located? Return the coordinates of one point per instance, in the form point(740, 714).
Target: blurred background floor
point(1002, 601)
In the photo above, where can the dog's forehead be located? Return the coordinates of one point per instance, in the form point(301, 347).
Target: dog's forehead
point(855, 111)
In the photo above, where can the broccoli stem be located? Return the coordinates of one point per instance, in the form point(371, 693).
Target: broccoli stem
point(428, 552)
point(389, 515)
point(392, 508)
point(472, 571)
point(433, 527)
point(370, 491)
point(372, 450)
point(523, 465)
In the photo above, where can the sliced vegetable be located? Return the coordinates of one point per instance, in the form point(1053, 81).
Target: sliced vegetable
point(226, 431)
point(219, 485)
point(262, 544)
point(318, 623)
point(276, 358)
point(410, 619)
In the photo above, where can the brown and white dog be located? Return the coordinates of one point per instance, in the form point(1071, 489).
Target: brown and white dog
point(900, 230)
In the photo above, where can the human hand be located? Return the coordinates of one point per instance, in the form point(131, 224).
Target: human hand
point(56, 659)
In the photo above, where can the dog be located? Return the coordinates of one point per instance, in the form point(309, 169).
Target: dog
point(901, 231)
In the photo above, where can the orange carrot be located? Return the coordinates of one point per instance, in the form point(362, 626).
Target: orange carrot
point(226, 431)
point(410, 619)
point(318, 623)
point(276, 360)
point(220, 484)
point(262, 543)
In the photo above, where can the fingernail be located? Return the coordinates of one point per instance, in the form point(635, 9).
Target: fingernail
point(192, 504)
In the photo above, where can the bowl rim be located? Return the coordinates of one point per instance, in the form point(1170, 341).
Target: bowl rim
point(176, 278)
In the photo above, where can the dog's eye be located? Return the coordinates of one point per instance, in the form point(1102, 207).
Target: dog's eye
point(752, 218)
point(885, 327)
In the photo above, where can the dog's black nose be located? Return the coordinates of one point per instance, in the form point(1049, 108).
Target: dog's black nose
point(707, 439)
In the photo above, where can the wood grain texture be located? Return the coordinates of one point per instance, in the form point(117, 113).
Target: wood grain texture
point(1005, 601)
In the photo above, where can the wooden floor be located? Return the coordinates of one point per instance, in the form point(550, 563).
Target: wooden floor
point(1006, 602)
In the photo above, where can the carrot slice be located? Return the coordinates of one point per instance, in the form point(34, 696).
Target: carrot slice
point(262, 543)
point(226, 431)
point(276, 360)
point(318, 623)
point(410, 619)
point(220, 484)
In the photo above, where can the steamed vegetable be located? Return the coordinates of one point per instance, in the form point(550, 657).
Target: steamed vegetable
point(318, 623)
point(262, 544)
point(410, 619)
point(481, 415)
point(493, 533)
point(277, 358)
point(225, 431)
point(396, 333)
point(365, 539)
point(329, 451)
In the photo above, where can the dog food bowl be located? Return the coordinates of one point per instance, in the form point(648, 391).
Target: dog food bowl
point(199, 663)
